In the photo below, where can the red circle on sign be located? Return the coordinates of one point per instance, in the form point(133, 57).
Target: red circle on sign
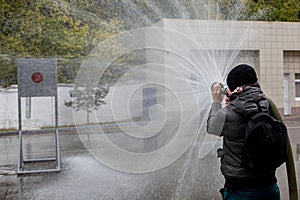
point(37, 77)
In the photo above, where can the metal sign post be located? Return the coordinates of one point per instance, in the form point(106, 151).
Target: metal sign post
point(37, 78)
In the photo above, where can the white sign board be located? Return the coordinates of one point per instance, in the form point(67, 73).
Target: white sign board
point(37, 77)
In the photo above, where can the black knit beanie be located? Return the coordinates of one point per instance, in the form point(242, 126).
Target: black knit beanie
point(241, 75)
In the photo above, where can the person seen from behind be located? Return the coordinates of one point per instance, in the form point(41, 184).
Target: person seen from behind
point(243, 99)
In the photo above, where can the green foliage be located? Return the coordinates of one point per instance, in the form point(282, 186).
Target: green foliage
point(67, 70)
point(41, 28)
point(87, 99)
point(8, 71)
point(70, 29)
point(121, 66)
point(272, 10)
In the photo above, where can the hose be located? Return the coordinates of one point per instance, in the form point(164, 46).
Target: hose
point(290, 166)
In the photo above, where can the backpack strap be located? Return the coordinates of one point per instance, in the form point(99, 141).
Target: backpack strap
point(259, 107)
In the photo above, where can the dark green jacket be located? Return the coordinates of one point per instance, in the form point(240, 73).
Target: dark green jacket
point(230, 122)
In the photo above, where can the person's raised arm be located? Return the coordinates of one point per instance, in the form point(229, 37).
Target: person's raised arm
point(216, 117)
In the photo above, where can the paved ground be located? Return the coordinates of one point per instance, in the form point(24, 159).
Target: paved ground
point(83, 177)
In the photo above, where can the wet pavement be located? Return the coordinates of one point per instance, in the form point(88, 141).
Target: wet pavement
point(84, 177)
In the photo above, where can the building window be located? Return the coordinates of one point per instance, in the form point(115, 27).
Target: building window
point(297, 86)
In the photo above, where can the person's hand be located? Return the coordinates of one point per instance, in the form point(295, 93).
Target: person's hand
point(217, 93)
point(232, 95)
point(227, 98)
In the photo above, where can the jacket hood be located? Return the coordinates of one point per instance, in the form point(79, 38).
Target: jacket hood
point(246, 103)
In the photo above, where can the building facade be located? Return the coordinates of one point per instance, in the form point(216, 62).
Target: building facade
point(276, 46)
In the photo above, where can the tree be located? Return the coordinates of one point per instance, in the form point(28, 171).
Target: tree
point(42, 28)
point(87, 99)
point(8, 71)
point(272, 10)
point(70, 29)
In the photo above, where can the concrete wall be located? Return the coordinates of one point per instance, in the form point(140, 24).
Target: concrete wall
point(43, 115)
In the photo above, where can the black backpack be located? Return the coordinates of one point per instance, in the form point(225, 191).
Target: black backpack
point(266, 143)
